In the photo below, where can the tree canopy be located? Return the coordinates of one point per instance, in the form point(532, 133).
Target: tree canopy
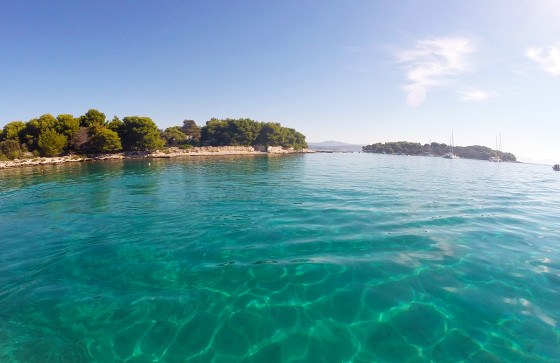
point(67, 125)
point(246, 132)
point(104, 140)
point(10, 149)
point(140, 133)
point(11, 130)
point(51, 142)
point(92, 117)
point(173, 136)
point(91, 133)
point(191, 129)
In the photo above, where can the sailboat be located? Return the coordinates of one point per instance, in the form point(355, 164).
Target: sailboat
point(496, 159)
point(450, 154)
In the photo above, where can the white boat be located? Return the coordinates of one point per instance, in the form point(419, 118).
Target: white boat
point(450, 154)
point(496, 159)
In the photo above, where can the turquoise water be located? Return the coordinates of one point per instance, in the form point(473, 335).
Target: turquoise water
point(297, 258)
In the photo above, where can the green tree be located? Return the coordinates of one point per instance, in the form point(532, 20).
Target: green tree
point(10, 149)
point(270, 134)
point(191, 129)
point(47, 121)
point(92, 117)
point(215, 133)
point(67, 125)
point(248, 132)
point(12, 130)
point(103, 140)
point(140, 133)
point(116, 125)
point(509, 157)
point(242, 132)
point(300, 141)
point(34, 128)
point(173, 136)
point(30, 134)
point(51, 142)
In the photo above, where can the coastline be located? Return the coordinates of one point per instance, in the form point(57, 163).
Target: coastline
point(172, 152)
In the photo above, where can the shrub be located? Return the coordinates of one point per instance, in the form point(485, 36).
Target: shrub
point(173, 136)
point(140, 133)
point(104, 140)
point(51, 142)
point(10, 149)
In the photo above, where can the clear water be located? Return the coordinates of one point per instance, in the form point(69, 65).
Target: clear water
point(298, 258)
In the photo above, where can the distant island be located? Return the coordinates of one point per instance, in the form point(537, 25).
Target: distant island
point(92, 134)
point(436, 149)
point(334, 146)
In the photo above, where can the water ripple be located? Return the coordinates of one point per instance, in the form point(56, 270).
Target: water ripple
point(338, 257)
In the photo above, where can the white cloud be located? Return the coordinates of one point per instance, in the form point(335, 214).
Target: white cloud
point(431, 63)
point(548, 59)
point(477, 95)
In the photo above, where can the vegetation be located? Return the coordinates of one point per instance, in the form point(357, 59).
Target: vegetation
point(140, 133)
point(436, 149)
point(12, 130)
point(67, 125)
point(91, 133)
point(173, 136)
point(246, 132)
point(103, 140)
point(51, 142)
point(10, 149)
point(92, 117)
point(191, 130)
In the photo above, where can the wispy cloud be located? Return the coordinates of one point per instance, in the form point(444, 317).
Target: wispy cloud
point(477, 95)
point(431, 63)
point(548, 59)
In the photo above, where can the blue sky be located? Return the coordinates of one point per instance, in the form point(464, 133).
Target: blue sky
point(353, 71)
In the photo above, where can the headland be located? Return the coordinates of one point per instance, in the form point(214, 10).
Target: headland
point(171, 152)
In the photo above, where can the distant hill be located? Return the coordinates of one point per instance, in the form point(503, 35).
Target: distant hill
point(435, 149)
point(334, 146)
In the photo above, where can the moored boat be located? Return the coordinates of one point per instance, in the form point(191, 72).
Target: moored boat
point(450, 154)
point(497, 159)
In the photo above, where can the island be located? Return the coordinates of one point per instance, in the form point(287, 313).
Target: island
point(436, 149)
point(49, 140)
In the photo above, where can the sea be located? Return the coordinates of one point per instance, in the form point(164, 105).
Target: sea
point(280, 258)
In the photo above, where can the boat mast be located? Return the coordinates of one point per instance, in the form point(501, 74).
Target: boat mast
point(499, 146)
point(451, 142)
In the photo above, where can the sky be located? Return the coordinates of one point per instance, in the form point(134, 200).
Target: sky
point(360, 71)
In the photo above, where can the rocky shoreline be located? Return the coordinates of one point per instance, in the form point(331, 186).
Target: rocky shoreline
point(172, 152)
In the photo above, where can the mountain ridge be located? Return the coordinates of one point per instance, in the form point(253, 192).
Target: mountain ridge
point(332, 145)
